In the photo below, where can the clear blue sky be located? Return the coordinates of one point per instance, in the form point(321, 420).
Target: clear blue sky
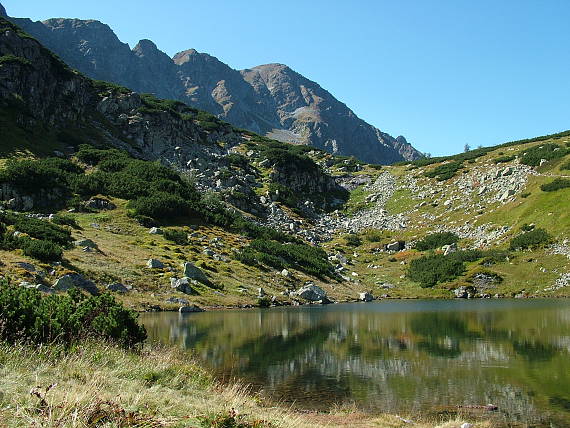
point(443, 73)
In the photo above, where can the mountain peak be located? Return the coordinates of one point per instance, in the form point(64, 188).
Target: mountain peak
point(3, 13)
point(144, 46)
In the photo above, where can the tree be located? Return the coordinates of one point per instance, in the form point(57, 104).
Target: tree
point(466, 148)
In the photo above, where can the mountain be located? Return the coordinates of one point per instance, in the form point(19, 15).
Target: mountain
point(270, 99)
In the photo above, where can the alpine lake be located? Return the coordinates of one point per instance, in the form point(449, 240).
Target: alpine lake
point(408, 357)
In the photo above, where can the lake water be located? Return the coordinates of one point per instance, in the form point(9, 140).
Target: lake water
point(392, 356)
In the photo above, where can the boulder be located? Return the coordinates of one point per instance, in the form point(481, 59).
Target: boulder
point(178, 301)
point(75, 280)
point(190, 308)
point(193, 272)
point(312, 293)
point(448, 249)
point(395, 246)
point(365, 296)
point(99, 204)
point(154, 264)
point(155, 231)
point(182, 285)
point(465, 292)
point(117, 287)
point(85, 243)
point(26, 266)
point(285, 273)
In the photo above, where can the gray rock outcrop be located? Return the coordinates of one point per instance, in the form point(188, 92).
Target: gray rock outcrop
point(75, 280)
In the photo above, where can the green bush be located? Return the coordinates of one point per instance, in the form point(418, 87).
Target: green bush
point(352, 239)
point(534, 155)
point(504, 159)
point(160, 206)
point(178, 236)
point(445, 171)
point(45, 251)
point(27, 316)
point(435, 268)
point(436, 240)
point(532, 239)
point(41, 229)
point(31, 175)
point(303, 257)
point(565, 166)
point(557, 184)
point(65, 220)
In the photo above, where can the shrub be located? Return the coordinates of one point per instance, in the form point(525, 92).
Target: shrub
point(27, 316)
point(65, 220)
point(557, 184)
point(436, 240)
point(534, 155)
point(504, 159)
point(352, 239)
point(432, 269)
point(178, 236)
point(445, 171)
point(532, 239)
point(159, 206)
point(566, 165)
point(491, 257)
point(31, 175)
point(303, 257)
point(373, 235)
point(41, 229)
point(45, 251)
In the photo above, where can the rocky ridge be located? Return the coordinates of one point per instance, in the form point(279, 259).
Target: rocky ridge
point(269, 99)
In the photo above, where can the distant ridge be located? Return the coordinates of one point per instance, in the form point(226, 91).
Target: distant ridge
point(269, 99)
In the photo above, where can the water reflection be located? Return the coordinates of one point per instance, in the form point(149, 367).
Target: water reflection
point(393, 356)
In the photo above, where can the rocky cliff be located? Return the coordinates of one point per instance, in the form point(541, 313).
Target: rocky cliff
point(269, 99)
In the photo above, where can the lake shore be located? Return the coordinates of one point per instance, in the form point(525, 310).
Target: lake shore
point(97, 384)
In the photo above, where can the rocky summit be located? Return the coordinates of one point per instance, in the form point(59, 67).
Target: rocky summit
point(270, 99)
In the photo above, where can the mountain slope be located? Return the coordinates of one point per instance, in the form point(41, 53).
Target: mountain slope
point(270, 99)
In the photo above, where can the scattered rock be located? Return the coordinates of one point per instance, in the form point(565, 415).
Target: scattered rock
point(75, 280)
point(465, 292)
point(177, 301)
point(99, 204)
point(190, 308)
point(312, 293)
point(365, 297)
point(86, 243)
point(155, 231)
point(117, 287)
point(182, 285)
point(193, 272)
point(154, 264)
point(396, 246)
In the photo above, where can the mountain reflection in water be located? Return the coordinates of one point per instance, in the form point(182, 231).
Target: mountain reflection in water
point(393, 356)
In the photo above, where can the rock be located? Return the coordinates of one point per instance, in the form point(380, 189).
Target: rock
point(466, 425)
point(99, 204)
point(182, 285)
point(395, 246)
point(75, 280)
point(260, 292)
point(506, 194)
point(178, 301)
point(83, 243)
point(365, 297)
point(26, 266)
point(193, 272)
point(465, 292)
point(155, 231)
point(189, 309)
point(117, 288)
point(154, 264)
point(312, 293)
point(448, 249)
point(285, 273)
point(341, 258)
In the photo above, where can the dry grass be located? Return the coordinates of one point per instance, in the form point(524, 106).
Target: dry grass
point(99, 385)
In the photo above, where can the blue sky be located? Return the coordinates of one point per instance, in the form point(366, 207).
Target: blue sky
point(443, 73)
